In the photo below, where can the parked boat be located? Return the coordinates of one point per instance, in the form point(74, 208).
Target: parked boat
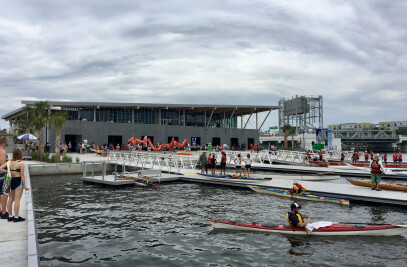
point(396, 187)
point(286, 193)
point(333, 230)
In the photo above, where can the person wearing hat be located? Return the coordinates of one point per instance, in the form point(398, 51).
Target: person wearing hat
point(295, 219)
point(376, 168)
point(298, 188)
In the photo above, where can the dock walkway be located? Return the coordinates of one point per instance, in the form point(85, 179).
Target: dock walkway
point(345, 191)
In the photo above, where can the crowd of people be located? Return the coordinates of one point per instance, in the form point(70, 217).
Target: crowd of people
point(210, 162)
point(397, 157)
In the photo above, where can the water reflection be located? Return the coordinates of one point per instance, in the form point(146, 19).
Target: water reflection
point(299, 247)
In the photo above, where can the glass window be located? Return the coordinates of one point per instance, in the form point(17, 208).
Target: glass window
point(171, 116)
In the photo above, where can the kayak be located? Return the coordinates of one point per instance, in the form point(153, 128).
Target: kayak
point(231, 177)
point(333, 230)
point(323, 163)
point(286, 193)
point(396, 187)
point(386, 166)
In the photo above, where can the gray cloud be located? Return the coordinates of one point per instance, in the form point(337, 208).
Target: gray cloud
point(244, 52)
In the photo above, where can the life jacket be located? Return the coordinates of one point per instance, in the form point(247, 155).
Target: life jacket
point(223, 160)
point(395, 157)
point(375, 167)
point(298, 188)
point(208, 160)
point(366, 156)
point(385, 157)
point(400, 157)
point(287, 216)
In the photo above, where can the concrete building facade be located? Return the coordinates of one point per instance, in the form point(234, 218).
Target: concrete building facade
point(115, 123)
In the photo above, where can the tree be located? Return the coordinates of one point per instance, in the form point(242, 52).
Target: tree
point(58, 120)
point(286, 130)
point(41, 119)
point(24, 123)
point(292, 132)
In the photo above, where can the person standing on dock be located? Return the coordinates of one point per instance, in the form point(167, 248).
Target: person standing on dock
point(321, 153)
point(223, 163)
point(376, 168)
point(342, 157)
point(248, 165)
point(385, 158)
point(366, 157)
point(251, 148)
point(3, 160)
point(18, 184)
point(371, 155)
point(400, 158)
point(202, 162)
point(213, 164)
point(395, 159)
point(238, 162)
point(295, 219)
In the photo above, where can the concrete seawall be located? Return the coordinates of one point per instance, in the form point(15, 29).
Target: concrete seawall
point(64, 168)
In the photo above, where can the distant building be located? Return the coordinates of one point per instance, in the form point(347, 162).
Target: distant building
point(388, 125)
point(351, 126)
point(114, 123)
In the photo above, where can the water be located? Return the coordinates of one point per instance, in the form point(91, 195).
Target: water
point(88, 225)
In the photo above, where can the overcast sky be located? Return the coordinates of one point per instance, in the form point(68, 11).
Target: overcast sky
point(208, 52)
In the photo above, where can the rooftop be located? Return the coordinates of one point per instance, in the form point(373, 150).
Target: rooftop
point(238, 110)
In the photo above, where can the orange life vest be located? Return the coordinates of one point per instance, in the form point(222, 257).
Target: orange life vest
point(375, 167)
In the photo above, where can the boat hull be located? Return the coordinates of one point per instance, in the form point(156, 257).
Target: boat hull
point(334, 230)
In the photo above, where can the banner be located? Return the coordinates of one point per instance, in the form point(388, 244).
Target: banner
point(330, 139)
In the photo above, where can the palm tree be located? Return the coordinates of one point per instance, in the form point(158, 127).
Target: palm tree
point(41, 119)
point(58, 120)
point(24, 124)
point(286, 130)
point(292, 132)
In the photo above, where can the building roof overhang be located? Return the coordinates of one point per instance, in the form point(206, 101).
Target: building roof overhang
point(237, 110)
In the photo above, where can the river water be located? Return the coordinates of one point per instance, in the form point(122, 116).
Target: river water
point(90, 225)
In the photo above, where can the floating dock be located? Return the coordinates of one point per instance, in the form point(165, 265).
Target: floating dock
point(345, 191)
point(311, 169)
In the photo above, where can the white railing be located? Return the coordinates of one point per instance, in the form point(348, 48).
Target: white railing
point(146, 160)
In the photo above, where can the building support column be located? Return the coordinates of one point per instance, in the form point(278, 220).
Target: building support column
point(132, 115)
point(249, 118)
point(265, 119)
point(184, 118)
point(94, 114)
point(257, 121)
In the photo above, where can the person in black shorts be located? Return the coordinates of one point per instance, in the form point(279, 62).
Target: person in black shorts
point(213, 164)
point(223, 164)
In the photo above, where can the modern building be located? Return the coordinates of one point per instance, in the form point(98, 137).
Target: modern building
point(115, 123)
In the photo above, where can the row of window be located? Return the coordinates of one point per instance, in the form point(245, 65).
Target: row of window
point(151, 116)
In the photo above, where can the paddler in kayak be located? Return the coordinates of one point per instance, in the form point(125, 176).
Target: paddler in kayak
point(298, 188)
point(295, 219)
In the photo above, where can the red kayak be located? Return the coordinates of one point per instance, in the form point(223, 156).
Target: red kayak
point(323, 163)
point(333, 230)
point(387, 166)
